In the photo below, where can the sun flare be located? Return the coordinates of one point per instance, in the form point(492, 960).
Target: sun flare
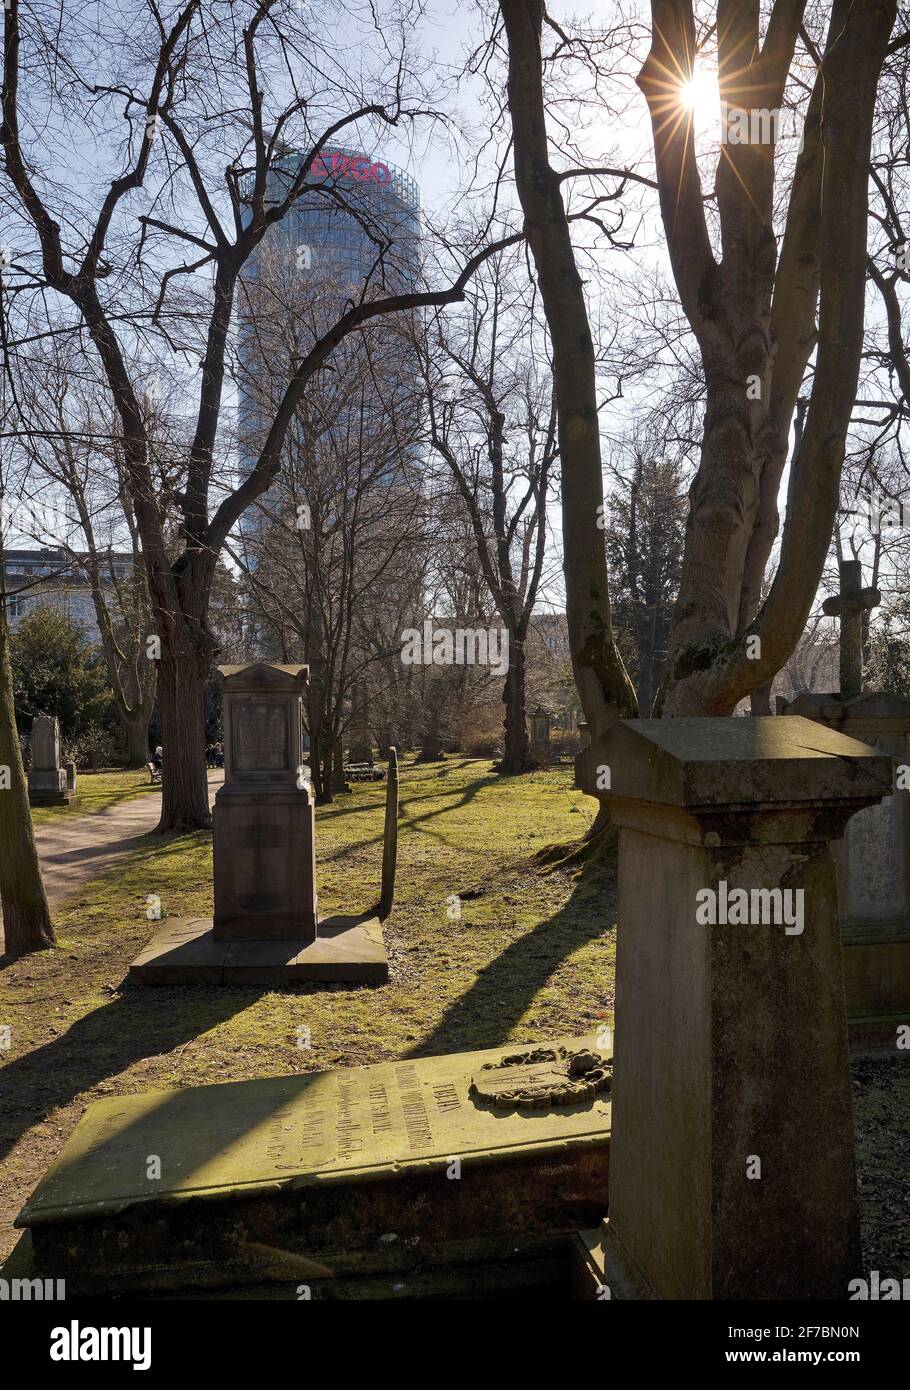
point(700, 96)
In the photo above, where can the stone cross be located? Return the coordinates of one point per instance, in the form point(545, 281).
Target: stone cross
point(850, 605)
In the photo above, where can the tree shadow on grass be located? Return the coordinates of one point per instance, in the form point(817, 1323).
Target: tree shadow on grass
point(406, 821)
point(485, 1014)
point(138, 1024)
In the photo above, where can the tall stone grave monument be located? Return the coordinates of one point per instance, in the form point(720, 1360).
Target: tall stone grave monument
point(360, 738)
point(47, 780)
point(264, 817)
point(873, 859)
point(732, 1171)
point(265, 927)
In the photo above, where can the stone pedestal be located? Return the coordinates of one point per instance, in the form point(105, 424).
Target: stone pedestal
point(541, 721)
point(873, 869)
point(264, 816)
point(47, 781)
point(265, 928)
point(732, 1165)
point(360, 738)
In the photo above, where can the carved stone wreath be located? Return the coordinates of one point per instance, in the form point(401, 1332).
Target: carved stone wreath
point(543, 1076)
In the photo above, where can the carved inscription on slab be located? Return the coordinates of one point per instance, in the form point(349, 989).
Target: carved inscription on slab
point(259, 736)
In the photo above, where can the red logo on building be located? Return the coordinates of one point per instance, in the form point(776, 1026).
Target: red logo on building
point(334, 164)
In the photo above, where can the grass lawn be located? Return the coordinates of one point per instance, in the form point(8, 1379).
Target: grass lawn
point(95, 791)
point(530, 956)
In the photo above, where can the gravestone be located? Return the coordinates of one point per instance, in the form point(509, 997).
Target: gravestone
point(873, 859)
point(264, 816)
point(541, 720)
point(732, 1172)
point(47, 783)
point(360, 738)
point(265, 928)
point(389, 839)
point(849, 606)
point(408, 1171)
point(338, 783)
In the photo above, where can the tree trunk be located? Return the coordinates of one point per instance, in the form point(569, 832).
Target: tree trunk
point(753, 316)
point(26, 919)
point(181, 701)
point(603, 684)
point(136, 732)
point(517, 752)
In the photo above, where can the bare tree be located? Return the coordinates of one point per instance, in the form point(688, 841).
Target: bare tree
point(753, 313)
point(199, 111)
point(72, 439)
point(492, 419)
point(603, 684)
point(27, 922)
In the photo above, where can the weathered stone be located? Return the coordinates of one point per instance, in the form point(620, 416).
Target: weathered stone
point(186, 952)
point(731, 1040)
point(541, 1077)
point(325, 1174)
point(47, 781)
point(541, 720)
point(265, 928)
point(849, 606)
point(264, 818)
point(873, 870)
point(45, 742)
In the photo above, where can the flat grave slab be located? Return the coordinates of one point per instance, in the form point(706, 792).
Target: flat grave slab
point(184, 952)
point(397, 1166)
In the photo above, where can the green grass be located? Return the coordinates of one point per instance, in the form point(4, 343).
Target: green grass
point(531, 957)
point(95, 791)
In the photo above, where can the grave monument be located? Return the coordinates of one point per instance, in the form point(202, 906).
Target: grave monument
point(47, 779)
point(541, 722)
point(457, 1176)
point(873, 859)
point(732, 1172)
point(360, 737)
point(265, 927)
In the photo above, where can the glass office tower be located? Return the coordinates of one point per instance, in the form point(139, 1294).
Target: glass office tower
point(355, 233)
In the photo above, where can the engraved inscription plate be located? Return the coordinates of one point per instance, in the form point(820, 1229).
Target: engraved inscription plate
point(259, 737)
point(358, 1123)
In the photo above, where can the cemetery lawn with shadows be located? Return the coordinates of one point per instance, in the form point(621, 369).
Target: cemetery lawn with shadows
point(483, 950)
point(95, 791)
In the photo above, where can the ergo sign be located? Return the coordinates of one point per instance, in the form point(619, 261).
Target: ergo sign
point(357, 165)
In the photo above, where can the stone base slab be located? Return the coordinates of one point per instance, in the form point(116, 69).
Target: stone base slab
point(525, 1269)
point(51, 798)
point(391, 1169)
point(184, 952)
point(601, 1270)
point(878, 1033)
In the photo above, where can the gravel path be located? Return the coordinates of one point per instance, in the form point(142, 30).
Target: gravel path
point(74, 849)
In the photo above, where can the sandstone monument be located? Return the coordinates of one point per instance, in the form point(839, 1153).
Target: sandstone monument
point(47, 778)
point(341, 1179)
point(873, 859)
point(265, 927)
point(732, 1172)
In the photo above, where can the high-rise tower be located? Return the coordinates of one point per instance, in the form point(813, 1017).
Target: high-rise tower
point(356, 232)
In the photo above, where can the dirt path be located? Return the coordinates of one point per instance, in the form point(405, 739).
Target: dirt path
point(75, 849)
